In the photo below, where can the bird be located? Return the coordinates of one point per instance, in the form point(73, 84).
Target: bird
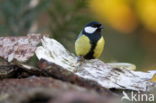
point(90, 42)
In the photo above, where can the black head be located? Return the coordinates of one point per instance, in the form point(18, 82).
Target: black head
point(94, 24)
point(93, 27)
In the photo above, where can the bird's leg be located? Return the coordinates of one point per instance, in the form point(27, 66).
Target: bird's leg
point(80, 60)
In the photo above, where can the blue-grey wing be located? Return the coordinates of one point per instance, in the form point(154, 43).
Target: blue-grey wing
point(80, 34)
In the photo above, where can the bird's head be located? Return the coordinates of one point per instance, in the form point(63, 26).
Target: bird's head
point(92, 27)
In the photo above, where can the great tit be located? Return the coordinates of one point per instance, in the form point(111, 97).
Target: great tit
point(90, 42)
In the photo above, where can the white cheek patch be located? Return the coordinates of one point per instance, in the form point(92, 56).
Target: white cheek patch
point(90, 29)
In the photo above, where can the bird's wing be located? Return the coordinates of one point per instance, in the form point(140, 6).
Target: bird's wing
point(82, 45)
point(80, 34)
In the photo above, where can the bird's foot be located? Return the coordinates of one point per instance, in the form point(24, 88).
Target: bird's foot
point(80, 61)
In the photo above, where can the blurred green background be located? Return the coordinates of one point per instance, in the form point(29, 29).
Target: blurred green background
point(129, 25)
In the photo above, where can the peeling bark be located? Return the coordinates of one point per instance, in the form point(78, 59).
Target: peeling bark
point(20, 48)
point(103, 74)
point(51, 70)
point(95, 78)
point(47, 90)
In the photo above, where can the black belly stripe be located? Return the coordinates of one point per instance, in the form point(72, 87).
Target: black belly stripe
point(90, 55)
point(93, 41)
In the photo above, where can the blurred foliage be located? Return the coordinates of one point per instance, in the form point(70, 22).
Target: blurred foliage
point(134, 17)
point(17, 16)
point(146, 11)
point(67, 20)
point(129, 25)
point(117, 13)
point(125, 15)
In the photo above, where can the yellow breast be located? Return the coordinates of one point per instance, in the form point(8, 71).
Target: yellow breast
point(99, 48)
point(82, 45)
